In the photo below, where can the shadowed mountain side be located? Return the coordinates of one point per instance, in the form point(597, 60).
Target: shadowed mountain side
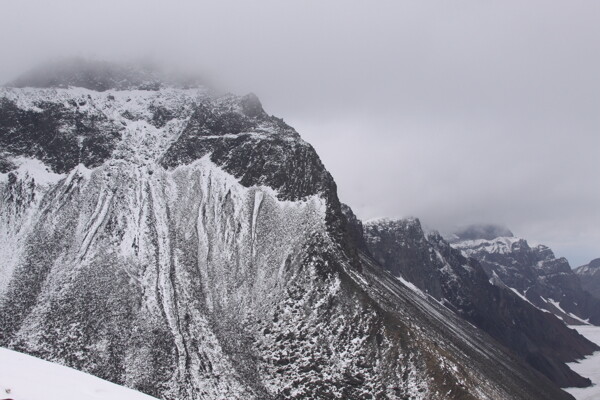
point(442, 272)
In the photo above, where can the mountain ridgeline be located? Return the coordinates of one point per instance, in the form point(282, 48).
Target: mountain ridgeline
point(191, 246)
point(534, 273)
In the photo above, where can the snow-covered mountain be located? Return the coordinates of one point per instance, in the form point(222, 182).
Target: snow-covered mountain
point(461, 284)
point(534, 273)
point(589, 275)
point(191, 246)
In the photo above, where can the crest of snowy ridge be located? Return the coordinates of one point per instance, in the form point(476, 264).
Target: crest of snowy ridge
point(234, 212)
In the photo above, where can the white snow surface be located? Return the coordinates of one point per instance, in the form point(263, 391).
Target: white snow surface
point(515, 291)
point(557, 305)
point(500, 245)
point(35, 169)
point(23, 377)
point(411, 286)
point(588, 367)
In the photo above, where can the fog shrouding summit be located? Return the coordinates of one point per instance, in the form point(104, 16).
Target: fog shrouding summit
point(454, 113)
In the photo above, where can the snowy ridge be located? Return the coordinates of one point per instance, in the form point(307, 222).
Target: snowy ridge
point(30, 168)
point(112, 102)
point(500, 245)
point(536, 274)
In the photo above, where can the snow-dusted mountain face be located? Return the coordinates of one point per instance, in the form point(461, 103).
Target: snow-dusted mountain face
point(589, 275)
point(192, 247)
point(535, 273)
point(460, 283)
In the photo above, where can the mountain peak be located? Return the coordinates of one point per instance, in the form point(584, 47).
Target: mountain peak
point(595, 263)
point(589, 275)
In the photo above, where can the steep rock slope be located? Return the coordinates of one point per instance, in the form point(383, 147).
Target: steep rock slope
point(589, 276)
point(193, 247)
point(442, 272)
point(535, 273)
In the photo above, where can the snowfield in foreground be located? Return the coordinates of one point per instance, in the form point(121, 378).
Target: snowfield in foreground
point(589, 367)
point(29, 378)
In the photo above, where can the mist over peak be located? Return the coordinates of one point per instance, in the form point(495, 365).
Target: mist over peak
point(482, 231)
point(103, 75)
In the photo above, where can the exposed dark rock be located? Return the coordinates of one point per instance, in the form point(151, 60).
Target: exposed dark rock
point(61, 137)
point(246, 148)
point(461, 284)
point(589, 276)
point(354, 228)
point(401, 247)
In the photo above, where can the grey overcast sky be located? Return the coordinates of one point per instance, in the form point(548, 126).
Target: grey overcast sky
point(456, 112)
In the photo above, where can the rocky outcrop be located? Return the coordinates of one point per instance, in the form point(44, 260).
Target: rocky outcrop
point(589, 276)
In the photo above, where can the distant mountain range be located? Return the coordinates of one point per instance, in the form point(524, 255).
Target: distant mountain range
point(477, 294)
point(534, 273)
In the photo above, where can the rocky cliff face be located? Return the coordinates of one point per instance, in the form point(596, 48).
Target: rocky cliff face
point(193, 247)
point(589, 276)
point(535, 273)
point(433, 266)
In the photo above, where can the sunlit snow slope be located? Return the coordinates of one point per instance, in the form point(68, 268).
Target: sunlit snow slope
point(23, 377)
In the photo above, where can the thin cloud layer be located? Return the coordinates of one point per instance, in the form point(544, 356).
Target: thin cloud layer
point(456, 113)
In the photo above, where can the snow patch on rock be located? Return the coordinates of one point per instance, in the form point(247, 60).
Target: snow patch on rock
point(33, 169)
